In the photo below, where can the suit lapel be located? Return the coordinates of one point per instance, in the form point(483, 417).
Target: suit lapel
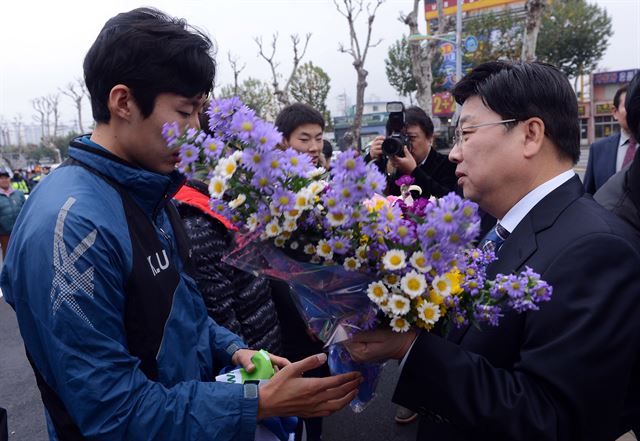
point(521, 243)
point(612, 155)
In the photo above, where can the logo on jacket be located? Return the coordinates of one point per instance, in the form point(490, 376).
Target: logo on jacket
point(68, 281)
point(162, 265)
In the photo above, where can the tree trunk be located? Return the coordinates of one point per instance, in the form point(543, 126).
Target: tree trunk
point(360, 88)
point(422, 57)
point(79, 108)
point(534, 10)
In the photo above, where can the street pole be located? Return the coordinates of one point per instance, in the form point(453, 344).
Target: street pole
point(459, 41)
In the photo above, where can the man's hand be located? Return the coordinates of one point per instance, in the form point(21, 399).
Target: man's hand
point(375, 151)
point(243, 357)
point(381, 344)
point(405, 165)
point(288, 394)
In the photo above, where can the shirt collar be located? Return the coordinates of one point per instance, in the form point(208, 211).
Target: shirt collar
point(624, 138)
point(513, 217)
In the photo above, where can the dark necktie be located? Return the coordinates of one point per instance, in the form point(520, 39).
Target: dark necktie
point(494, 238)
point(631, 152)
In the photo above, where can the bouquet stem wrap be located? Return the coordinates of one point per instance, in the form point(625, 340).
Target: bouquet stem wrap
point(332, 301)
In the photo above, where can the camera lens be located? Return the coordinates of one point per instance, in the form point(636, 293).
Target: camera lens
point(393, 146)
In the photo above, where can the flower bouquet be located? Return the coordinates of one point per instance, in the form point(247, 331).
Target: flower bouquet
point(354, 259)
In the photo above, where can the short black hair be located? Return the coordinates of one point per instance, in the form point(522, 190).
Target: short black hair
point(151, 53)
point(295, 115)
point(327, 149)
point(522, 90)
point(632, 104)
point(4, 174)
point(415, 116)
point(616, 97)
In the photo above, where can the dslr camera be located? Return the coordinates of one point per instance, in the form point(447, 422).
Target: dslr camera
point(395, 141)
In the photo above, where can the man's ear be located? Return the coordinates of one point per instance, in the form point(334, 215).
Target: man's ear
point(121, 103)
point(285, 142)
point(533, 136)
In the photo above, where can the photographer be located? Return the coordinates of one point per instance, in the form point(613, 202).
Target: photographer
point(432, 171)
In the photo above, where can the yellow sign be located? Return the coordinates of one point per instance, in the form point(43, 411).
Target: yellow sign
point(604, 108)
point(451, 6)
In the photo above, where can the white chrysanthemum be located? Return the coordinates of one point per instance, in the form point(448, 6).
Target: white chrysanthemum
point(399, 324)
point(316, 172)
point(273, 228)
point(316, 187)
point(399, 305)
point(290, 225)
point(264, 236)
point(336, 218)
point(217, 187)
point(303, 199)
point(429, 313)
point(292, 214)
point(324, 249)
point(237, 156)
point(361, 253)
point(252, 222)
point(226, 168)
point(377, 292)
point(413, 284)
point(394, 260)
point(279, 241)
point(351, 264)
point(238, 201)
point(441, 285)
point(309, 249)
point(392, 280)
point(294, 245)
point(419, 262)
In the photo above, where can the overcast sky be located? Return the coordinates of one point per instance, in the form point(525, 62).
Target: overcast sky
point(42, 44)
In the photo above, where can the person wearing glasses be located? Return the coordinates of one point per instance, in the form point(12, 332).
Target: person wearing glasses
point(432, 171)
point(568, 371)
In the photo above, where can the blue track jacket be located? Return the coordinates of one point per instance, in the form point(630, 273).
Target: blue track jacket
point(68, 262)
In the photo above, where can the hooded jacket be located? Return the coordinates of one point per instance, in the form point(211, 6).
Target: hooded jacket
point(74, 271)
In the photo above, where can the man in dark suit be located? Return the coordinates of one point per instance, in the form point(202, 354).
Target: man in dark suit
point(432, 171)
point(567, 371)
point(609, 155)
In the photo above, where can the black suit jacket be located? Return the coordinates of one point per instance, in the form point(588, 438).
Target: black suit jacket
point(601, 164)
point(565, 372)
point(436, 177)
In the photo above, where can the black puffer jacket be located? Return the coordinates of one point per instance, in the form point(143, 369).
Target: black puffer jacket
point(235, 299)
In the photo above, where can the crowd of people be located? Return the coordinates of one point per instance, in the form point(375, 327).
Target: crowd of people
point(130, 313)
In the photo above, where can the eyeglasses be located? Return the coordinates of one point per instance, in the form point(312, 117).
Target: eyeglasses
point(457, 137)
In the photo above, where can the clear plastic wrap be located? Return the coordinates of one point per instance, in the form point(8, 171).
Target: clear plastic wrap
point(332, 300)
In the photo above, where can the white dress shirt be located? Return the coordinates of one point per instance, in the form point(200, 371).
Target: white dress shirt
point(513, 217)
point(623, 146)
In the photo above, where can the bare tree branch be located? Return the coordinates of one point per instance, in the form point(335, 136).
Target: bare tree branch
point(282, 94)
point(76, 91)
point(233, 61)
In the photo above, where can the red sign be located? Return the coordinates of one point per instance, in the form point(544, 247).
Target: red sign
point(443, 104)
